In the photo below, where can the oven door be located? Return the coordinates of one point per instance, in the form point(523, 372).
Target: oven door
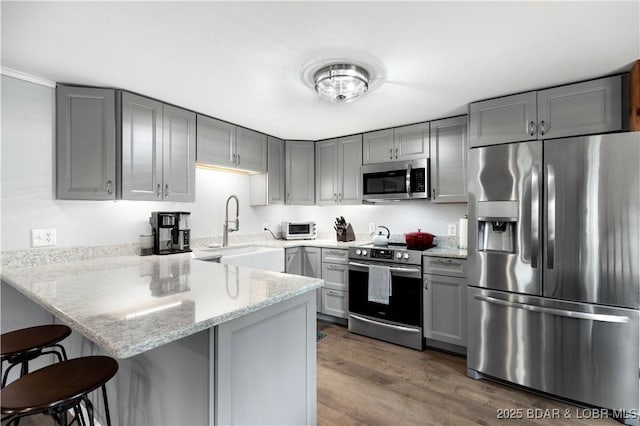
point(405, 302)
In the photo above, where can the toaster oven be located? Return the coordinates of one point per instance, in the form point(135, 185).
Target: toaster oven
point(299, 231)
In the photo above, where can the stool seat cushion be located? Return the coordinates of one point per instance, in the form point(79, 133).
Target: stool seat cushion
point(27, 339)
point(56, 384)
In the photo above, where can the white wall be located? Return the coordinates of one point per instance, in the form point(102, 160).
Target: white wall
point(28, 192)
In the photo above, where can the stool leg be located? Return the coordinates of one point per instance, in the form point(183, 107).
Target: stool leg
point(24, 369)
point(6, 374)
point(106, 405)
point(89, 405)
point(64, 353)
point(77, 409)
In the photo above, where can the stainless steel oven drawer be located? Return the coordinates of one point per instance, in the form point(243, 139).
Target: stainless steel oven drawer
point(399, 334)
point(578, 351)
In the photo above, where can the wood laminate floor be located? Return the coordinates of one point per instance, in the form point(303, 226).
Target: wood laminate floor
point(363, 381)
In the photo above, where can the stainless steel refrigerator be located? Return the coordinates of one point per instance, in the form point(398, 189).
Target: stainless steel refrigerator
point(553, 266)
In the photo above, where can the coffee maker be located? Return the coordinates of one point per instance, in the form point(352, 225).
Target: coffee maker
point(171, 233)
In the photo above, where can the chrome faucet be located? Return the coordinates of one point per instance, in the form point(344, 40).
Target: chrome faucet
point(225, 227)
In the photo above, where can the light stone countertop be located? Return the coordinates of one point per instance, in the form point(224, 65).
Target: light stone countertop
point(454, 252)
point(131, 304)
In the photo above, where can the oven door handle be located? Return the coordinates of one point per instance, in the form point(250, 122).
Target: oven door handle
point(382, 324)
point(391, 268)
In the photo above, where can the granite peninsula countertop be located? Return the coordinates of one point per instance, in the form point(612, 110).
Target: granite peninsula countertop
point(454, 252)
point(131, 304)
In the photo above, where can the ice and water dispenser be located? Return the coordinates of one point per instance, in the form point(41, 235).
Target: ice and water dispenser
point(497, 224)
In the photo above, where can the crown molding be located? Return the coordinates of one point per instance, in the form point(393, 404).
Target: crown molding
point(27, 77)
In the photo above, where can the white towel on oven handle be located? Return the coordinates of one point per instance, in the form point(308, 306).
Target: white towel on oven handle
point(379, 284)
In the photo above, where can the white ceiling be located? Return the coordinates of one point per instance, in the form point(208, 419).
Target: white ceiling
point(244, 62)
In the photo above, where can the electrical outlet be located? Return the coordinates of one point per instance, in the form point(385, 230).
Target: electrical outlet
point(452, 230)
point(43, 237)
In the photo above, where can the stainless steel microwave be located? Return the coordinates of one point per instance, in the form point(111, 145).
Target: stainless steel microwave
point(398, 180)
point(299, 231)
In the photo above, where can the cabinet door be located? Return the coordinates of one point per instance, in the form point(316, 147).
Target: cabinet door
point(179, 158)
point(579, 109)
point(85, 143)
point(502, 120)
point(216, 142)
point(326, 172)
point(312, 262)
point(349, 175)
point(300, 172)
point(293, 261)
point(335, 276)
point(251, 150)
point(275, 170)
point(449, 160)
point(141, 148)
point(377, 147)
point(335, 303)
point(445, 309)
point(411, 142)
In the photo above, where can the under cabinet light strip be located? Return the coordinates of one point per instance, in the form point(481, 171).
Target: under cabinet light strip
point(27, 77)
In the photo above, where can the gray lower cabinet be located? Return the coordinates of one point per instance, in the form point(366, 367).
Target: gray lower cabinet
point(401, 143)
point(335, 273)
point(593, 106)
point(158, 150)
point(293, 260)
point(445, 311)
point(449, 160)
point(300, 172)
point(86, 143)
point(268, 188)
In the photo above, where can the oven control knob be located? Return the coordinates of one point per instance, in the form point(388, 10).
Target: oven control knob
point(405, 256)
point(364, 252)
point(358, 252)
point(399, 255)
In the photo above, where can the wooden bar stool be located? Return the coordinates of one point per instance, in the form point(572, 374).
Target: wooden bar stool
point(55, 389)
point(21, 346)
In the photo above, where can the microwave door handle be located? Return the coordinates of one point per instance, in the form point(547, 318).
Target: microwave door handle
point(408, 180)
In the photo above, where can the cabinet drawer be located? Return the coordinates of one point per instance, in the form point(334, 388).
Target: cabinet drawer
point(445, 266)
point(335, 276)
point(335, 256)
point(335, 303)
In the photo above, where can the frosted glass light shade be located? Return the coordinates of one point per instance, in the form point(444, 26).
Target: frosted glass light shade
point(341, 82)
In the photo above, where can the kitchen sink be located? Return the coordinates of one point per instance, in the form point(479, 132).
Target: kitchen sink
point(255, 256)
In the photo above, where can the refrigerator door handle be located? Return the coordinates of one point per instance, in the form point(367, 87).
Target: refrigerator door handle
point(535, 215)
point(553, 311)
point(551, 216)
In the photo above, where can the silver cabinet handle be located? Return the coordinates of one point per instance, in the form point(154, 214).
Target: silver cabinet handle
point(426, 283)
point(334, 293)
point(109, 188)
point(390, 153)
point(335, 197)
point(446, 261)
point(535, 215)
point(238, 158)
point(532, 128)
point(380, 324)
point(396, 153)
point(554, 311)
point(159, 191)
point(551, 216)
point(543, 127)
point(166, 190)
point(340, 196)
point(233, 158)
point(433, 192)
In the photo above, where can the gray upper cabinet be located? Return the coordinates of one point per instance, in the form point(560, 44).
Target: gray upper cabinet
point(251, 150)
point(179, 154)
point(300, 172)
point(327, 172)
point(85, 143)
point(216, 142)
point(402, 143)
point(141, 148)
point(338, 178)
point(449, 160)
point(411, 142)
point(377, 147)
point(225, 145)
point(582, 108)
point(275, 170)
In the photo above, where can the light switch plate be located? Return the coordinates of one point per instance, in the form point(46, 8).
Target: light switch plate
point(43, 237)
point(452, 230)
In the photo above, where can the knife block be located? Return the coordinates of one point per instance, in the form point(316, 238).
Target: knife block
point(345, 234)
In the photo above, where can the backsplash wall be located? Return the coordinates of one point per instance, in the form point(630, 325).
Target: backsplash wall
point(27, 197)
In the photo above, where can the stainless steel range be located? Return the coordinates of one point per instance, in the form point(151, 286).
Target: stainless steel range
point(398, 318)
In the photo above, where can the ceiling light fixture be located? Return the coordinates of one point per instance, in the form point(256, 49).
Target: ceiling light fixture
point(341, 83)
